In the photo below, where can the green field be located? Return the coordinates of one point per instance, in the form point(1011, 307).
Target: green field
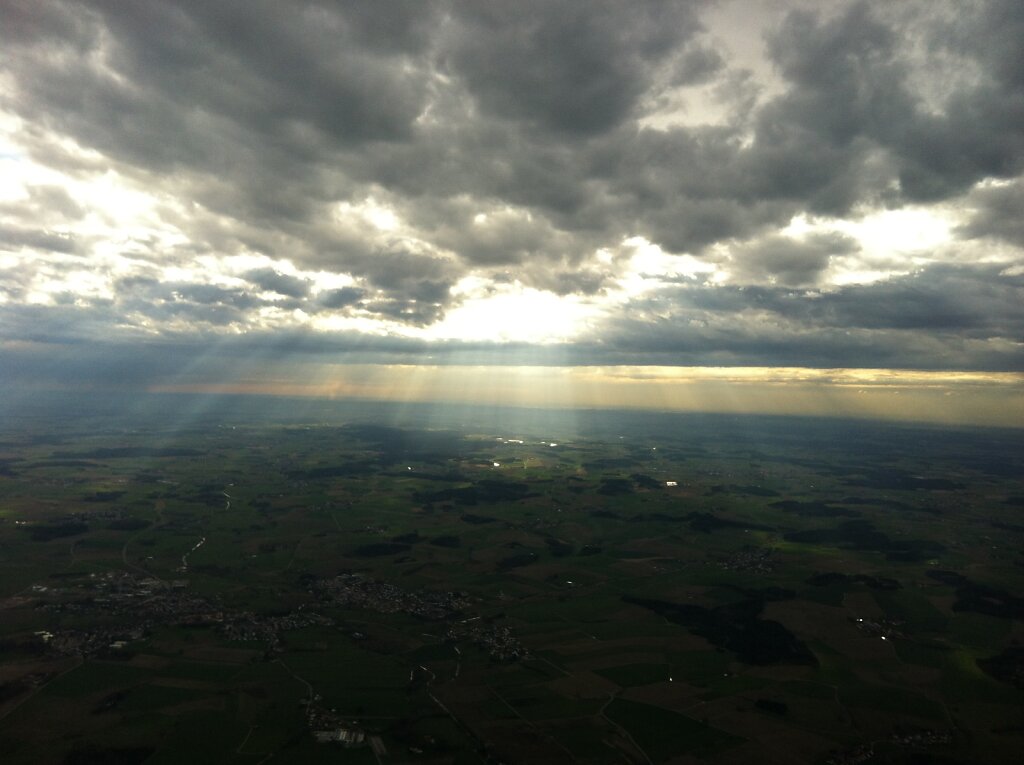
point(223, 597)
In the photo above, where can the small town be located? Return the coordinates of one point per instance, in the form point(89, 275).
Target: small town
point(497, 640)
point(913, 739)
point(354, 590)
point(150, 601)
point(758, 560)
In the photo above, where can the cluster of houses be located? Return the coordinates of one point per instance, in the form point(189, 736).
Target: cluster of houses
point(150, 602)
point(918, 739)
point(356, 591)
point(246, 625)
point(756, 559)
point(496, 639)
point(883, 628)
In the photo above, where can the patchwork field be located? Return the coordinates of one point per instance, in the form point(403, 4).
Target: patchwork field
point(641, 589)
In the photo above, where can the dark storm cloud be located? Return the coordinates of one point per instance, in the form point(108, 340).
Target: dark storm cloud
point(340, 298)
point(789, 261)
point(586, 282)
point(981, 301)
point(502, 239)
point(851, 95)
point(267, 114)
point(572, 67)
point(185, 307)
point(258, 89)
point(265, 65)
point(944, 317)
point(998, 214)
point(196, 304)
point(407, 286)
point(662, 343)
point(414, 312)
point(249, 92)
point(697, 66)
point(58, 346)
point(509, 140)
point(147, 289)
point(398, 268)
point(234, 104)
point(274, 281)
point(15, 237)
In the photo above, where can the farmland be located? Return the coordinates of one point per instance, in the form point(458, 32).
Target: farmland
point(627, 590)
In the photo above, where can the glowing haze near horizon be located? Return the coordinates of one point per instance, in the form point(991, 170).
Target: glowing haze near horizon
point(776, 206)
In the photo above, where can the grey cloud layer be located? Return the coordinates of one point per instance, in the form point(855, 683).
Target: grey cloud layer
point(946, 317)
point(256, 119)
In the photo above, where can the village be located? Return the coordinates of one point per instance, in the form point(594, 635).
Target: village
point(149, 602)
point(355, 590)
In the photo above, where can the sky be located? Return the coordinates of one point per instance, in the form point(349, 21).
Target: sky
point(769, 205)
